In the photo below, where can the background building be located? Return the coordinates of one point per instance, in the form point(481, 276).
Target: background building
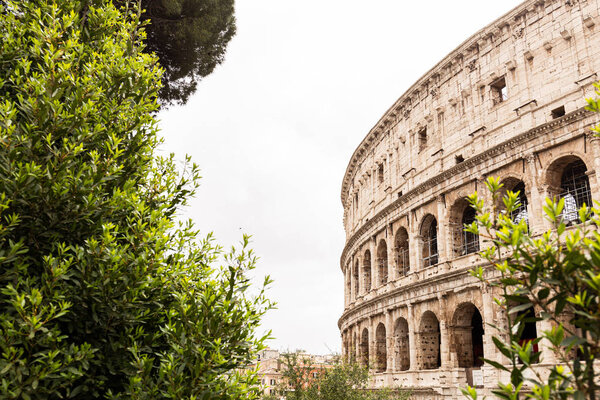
point(507, 102)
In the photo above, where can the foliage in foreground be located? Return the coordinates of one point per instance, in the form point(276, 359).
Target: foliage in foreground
point(342, 380)
point(556, 274)
point(102, 293)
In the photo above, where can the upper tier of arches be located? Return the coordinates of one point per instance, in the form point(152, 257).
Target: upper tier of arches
point(508, 78)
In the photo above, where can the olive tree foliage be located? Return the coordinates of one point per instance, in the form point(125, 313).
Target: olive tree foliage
point(103, 294)
point(340, 381)
point(557, 274)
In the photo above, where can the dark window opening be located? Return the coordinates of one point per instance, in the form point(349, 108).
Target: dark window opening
point(520, 212)
point(459, 158)
point(422, 139)
point(430, 249)
point(477, 339)
point(470, 241)
point(399, 194)
point(575, 190)
point(380, 173)
point(499, 90)
point(558, 112)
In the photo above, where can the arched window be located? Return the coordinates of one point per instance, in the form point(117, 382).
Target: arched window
point(367, 271)
point(401, 345)
point(462, 214)
point(382, 262)
point(430, 247)
point(575, 189)
point(470, 241)
point(402, 255)
point(381, 356)
point(520, 212)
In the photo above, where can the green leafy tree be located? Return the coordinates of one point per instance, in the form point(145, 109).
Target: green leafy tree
point(190, 38)
point(558, 275)
point(340, 381)
point(103, 294)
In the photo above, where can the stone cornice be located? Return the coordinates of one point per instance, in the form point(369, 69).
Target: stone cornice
point(464, 56)
point(476, 160)
point(410, 287)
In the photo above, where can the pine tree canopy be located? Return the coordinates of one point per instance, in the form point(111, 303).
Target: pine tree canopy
point(190, 38)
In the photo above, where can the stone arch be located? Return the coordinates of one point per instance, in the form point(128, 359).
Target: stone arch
point(380, 348)
point(402, 252)
point(516, 185)
point(461, 214)
point(367, 271)
point(429, 235)
point(356, 275)
point(429, 341)
point(468, 335)
point(567, 178)
point(364, 347)
point(401, 345)
point(382, 262)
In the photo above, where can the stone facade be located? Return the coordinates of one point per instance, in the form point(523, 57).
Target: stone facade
point(507, 102)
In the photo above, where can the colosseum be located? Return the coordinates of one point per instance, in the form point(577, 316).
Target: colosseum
point(508, 102)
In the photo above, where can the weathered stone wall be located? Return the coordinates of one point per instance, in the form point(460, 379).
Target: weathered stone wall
point(508, 102)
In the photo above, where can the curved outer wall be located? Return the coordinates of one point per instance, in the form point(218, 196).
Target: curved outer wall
point(508, 102)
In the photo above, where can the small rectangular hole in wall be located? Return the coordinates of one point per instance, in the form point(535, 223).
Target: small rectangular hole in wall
point(399, 194)
point(459, 158)
point(380, 173)
point(422, 139)
point(558, 112)
point(499, 90)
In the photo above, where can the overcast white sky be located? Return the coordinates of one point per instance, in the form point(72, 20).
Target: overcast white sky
point(274, 127)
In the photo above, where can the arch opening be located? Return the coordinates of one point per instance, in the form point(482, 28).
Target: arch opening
point(382, 261)
point(468, 336)
point(575, 190)
point(356, 280)
point(380, 348)
point(429, 342)
point(364, 348)
point(402, 254)
point(367, 271)
point(430, 244)
point(461, 215)
point(401, 345)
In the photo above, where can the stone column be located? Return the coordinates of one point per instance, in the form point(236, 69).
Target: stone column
point(412, 337)
point(361, 281)
point(595, 177)
point(392, 267)
point(535, 211)
point(389, 343)
point(352, 292)
point(444, 337)
point(374, 266)
point(489, 349)
point(372, 343)
point(415, 241)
